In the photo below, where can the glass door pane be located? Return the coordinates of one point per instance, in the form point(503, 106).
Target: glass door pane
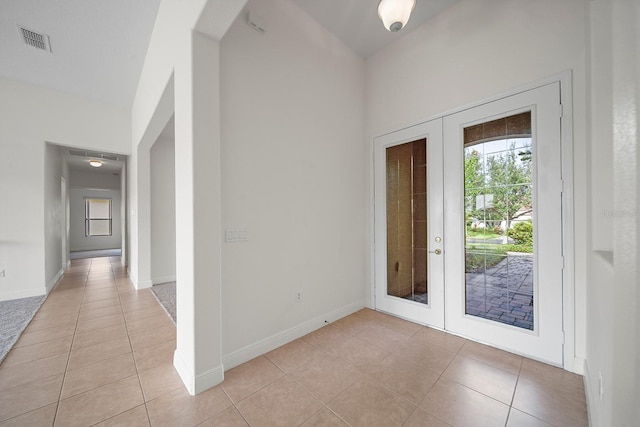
point(498, 194)
point(406, 190)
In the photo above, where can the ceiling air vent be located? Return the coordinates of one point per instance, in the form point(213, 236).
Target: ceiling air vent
point(78, 153)
point(35, 39)
point(94, 154)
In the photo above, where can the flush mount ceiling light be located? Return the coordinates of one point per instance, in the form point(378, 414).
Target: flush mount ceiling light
point(395, 13)
point(95, 163)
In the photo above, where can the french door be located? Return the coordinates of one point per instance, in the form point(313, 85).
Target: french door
point(491, 245)
point(409, 267)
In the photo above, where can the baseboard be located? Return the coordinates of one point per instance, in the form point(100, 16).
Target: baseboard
point(139, 284)
point(91, 249)
point(132, 278)
point(53, 282)
point(578, 366)
point(144, 284)
point(183, 372)
point(588, 391)
point(164, 279)
point(32, 292)
point(201, 382)
point(23, 293)
point(208, 379)
point(265, 345)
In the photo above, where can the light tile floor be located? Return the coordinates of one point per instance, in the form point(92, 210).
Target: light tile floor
point(100, 353)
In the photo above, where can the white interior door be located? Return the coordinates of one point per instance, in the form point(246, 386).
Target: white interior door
point(503, 223)
point(409, 267)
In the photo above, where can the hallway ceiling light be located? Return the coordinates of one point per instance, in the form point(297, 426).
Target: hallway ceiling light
point(95, 163)
point(395, 13)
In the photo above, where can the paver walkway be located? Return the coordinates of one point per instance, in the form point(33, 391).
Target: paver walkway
point(504, 292)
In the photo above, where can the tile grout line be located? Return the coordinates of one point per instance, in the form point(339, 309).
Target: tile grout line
point(144, 399)
point(58, 401)
point(351, 367)
point(323, 405)
point(135, 365)
point(513, 396)
point(67, 370)
point(365, 375)
point(55, 416)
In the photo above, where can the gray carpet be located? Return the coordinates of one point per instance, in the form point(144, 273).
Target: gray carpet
point(166, 295)
point(15, 315)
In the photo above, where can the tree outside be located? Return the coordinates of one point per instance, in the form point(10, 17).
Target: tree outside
point(498, 198)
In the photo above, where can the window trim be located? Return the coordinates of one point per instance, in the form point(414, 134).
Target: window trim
point(88, 219)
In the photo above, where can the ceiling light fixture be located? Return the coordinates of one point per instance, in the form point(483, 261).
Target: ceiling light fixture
point(95, 163)
point(395, 13)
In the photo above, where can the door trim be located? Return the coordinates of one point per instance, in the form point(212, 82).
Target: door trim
point(417, 312)
point(570, 362)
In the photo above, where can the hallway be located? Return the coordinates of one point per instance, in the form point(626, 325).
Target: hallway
point(99, 352)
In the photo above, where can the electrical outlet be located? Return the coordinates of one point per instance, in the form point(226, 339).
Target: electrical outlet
point(298, 296)
point(2, 273)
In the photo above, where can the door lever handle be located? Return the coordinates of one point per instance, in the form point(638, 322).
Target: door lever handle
point(437, 252)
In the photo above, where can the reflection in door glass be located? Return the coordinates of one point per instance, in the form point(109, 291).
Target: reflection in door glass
point(407, 221)
point(498, 191)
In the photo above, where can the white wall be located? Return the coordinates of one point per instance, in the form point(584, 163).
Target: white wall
point(600, 301)
point(613, 341)
point(480, 49)
point(124, 242)
point(94, 180)
point(77, 239)
point(184, 53)
point(32, 116)
point(54, 170)
point(163, 211)
point(293, 169)
point(152, 107)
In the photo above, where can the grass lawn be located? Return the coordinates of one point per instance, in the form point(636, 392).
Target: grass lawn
point(482, 233)
point(479, 255)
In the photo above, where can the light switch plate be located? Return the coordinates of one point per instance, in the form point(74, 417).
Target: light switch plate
point(236, 235)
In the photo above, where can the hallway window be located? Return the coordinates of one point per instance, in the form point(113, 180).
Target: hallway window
point(97, 217)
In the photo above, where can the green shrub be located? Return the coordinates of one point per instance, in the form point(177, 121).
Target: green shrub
point(522, 233)
point(519, 248)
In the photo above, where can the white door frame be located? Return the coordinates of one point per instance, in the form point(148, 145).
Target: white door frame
point(64, 241)
point(433, 313)
point(570, 363)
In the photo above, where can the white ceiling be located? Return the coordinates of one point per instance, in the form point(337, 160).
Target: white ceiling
point(356, 22)
point(97, 46)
